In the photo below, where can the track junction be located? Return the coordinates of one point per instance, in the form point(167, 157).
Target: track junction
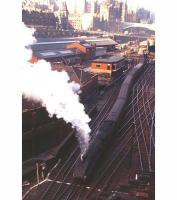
point(131, 152)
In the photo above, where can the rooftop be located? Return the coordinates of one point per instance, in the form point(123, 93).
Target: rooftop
point(61, 43)
point(111, 59)
point(56, 53)
point(101, 41)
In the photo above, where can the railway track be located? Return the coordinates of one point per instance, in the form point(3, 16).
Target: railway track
point(64, 170)
point(70, 192)
point(136, 133)
point(94, 126)
point(110, 168)
point(112, 171)
point(103, 174)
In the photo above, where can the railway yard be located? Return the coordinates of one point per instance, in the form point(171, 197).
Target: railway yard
point(120, 161)
point(126, 168)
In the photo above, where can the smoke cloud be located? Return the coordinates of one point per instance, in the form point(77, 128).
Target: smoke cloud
point(55, 92)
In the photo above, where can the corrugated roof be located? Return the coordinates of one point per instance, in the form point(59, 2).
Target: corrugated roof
point(101, 41)
point(56, 48)
point(48, 46)
point(56, 53)
point(72, 39)
point(61, 43)
point(48, 53)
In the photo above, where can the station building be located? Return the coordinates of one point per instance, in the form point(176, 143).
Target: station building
point(106, 42)
point(108, 68)
point(86, 48)
point(65, 56)
point(71, 50)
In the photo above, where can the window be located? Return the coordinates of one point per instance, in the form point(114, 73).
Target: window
point(108, 67)
point(106, 75)
point(97, 66)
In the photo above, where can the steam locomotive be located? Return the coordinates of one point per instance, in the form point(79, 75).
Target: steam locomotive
point(88, 160)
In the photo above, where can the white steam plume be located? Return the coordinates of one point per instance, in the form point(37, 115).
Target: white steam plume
point(55, 92)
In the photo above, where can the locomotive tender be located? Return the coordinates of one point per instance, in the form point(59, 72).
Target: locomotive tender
point(88, 160)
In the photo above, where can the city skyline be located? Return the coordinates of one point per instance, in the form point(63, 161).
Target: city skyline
point(132, 4)
point(89, 14)
point(147, 4)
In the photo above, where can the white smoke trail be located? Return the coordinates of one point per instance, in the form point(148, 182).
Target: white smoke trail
point(55, 92)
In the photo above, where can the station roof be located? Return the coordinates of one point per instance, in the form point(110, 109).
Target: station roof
point(61, 43)
point(101, 41)
point(112, 59)
point(43, 46)
point(56, 53)
point(46, 48)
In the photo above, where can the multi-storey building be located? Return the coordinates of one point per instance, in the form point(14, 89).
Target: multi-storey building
point(143, 15)
point(87, 7)
point(63, 16)
point(124, 9)
point(110, 14)
point(75, 21)
point(131, 16)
